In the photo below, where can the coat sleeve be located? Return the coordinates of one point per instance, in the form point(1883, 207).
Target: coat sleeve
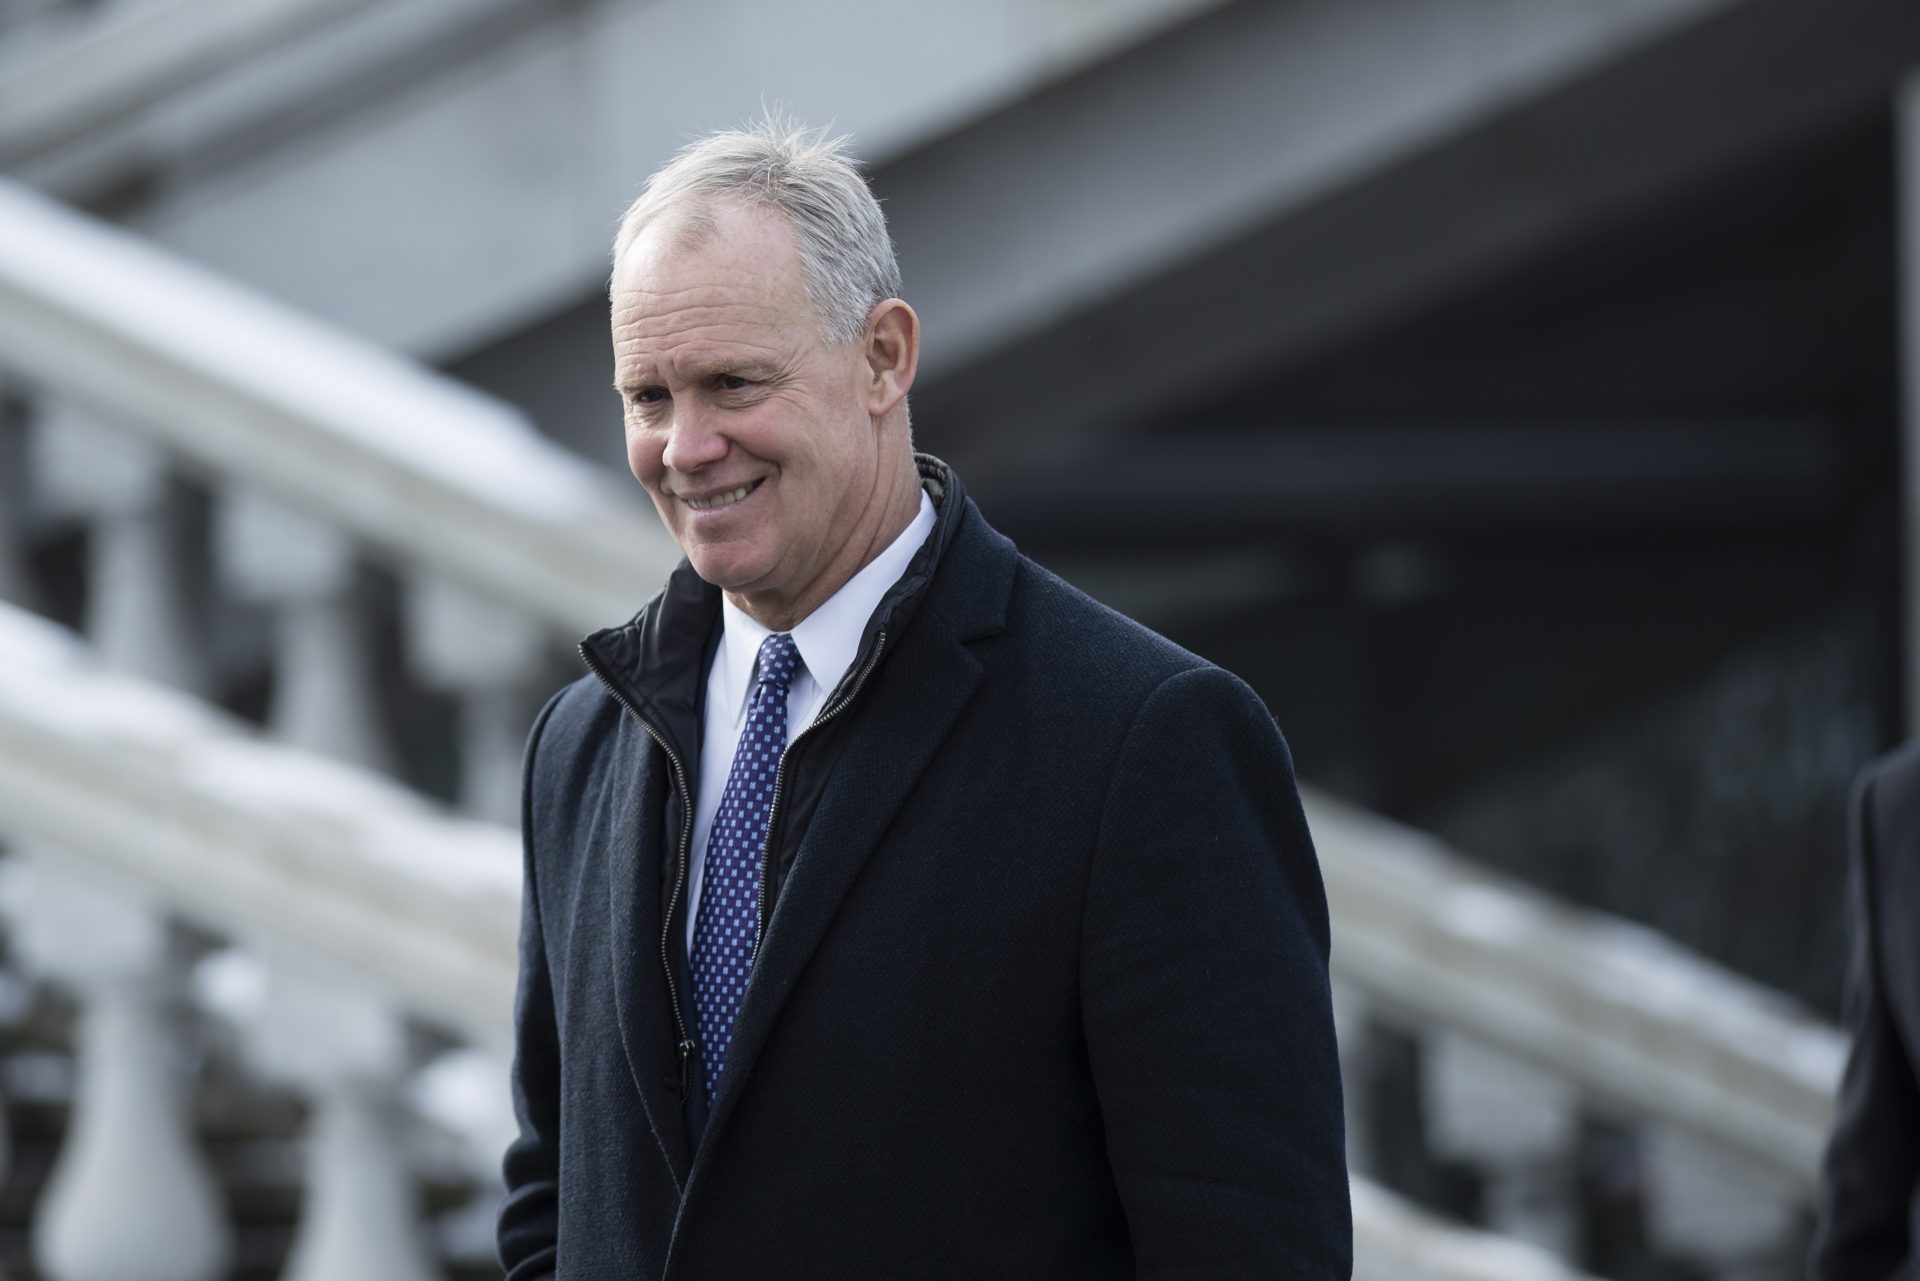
point(1208, 1020)
point(527, 1230)
point(1872, 1163)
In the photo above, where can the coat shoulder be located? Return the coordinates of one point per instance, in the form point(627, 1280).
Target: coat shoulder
point(561, 764)
point(1083, 641)
point(578, 713)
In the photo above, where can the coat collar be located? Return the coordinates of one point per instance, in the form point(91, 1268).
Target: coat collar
point(656, 660)
point(828, 639)
point(955, 591)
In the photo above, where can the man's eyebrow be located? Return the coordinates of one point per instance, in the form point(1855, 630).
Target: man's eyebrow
point(758, 368)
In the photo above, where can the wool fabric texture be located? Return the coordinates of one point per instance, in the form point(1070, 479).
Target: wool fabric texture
point(1042, 988)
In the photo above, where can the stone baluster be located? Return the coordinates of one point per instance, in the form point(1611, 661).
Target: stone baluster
point(490, 658)
point(347, 1049)
point(326, 695)
point(1519, 1127)
point(141, 584)
point(1351, 1014)
point(130, 1197)
point(1727, 1216)
point(1382, 1077)
point(464, 1092)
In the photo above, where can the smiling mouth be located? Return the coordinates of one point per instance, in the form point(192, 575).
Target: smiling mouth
point(721, 499)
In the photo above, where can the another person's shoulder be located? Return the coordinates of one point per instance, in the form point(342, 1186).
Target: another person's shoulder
point(1886, 801)
point(1895, 777)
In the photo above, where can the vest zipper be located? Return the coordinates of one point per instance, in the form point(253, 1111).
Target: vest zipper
point(779, 777)
point(683, 1078)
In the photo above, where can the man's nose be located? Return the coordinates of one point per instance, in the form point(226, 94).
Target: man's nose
point(692, 442)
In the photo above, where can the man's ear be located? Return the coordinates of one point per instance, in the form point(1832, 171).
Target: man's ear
point(892, 338)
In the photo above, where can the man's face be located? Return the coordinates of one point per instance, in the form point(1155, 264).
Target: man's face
point(750, 432)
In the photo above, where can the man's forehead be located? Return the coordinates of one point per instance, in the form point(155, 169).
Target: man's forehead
point(639, 355)
point(729, 245)
point(730, 290)
point(700, 318)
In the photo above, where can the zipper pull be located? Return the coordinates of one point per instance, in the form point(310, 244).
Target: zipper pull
point(686, 1070)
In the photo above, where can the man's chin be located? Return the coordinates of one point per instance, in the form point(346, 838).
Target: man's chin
point(728, 573)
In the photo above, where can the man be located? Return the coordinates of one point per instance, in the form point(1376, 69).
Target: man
point(892, 909)
point(1870, 1198)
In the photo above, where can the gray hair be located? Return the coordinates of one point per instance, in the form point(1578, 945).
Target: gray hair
point(774, 162)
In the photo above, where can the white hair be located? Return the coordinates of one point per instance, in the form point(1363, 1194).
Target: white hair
point(776, 163)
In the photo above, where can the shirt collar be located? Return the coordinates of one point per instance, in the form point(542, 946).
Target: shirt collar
point(829, 638)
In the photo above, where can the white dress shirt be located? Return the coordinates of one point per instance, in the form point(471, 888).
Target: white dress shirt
point(828, 640)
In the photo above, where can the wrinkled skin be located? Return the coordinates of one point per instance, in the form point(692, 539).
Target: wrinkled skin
point(728, 385)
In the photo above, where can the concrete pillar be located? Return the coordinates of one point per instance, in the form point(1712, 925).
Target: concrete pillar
point(1519, 1125)
point(326, 694)
point(346, 1047)
point(140, 607)
point(488, 656)
point(1350, 1017)
point(1718, 1212)
point(131, 1197)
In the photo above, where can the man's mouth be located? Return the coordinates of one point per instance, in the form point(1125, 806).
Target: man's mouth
point(721, 499)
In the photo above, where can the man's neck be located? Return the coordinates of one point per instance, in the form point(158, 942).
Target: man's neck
point(902, 505)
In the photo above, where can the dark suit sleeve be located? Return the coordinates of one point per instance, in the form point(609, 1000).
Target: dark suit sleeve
point(1207, 1015)
point(528, 1226)
point(1873, 1160)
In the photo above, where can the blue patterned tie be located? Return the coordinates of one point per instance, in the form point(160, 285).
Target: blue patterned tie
point(728, 926)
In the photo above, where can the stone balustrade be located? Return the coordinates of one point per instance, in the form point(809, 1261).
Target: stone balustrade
point(137, 810)
point(416, 467)
point(144, 817)
point(217, 451)
point(1533, 1019)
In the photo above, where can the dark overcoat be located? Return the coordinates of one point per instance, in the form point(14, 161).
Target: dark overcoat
point(1870, 1196)
point(1043, 993)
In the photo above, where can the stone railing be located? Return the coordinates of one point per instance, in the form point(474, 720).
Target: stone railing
point(138, 819)
point(1531, 1023)
point(150, 396)
point(224, 478)
point(136, 811)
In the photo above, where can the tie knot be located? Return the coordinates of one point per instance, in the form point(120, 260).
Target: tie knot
point(779, 659)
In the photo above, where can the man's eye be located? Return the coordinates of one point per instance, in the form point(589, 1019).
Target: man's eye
point(731, 382)
point(649, 396)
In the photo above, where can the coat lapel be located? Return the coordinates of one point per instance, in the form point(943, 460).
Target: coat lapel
point(647, 1034)
point(903, 718)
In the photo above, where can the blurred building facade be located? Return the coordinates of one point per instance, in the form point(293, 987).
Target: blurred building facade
point(1512, 393)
